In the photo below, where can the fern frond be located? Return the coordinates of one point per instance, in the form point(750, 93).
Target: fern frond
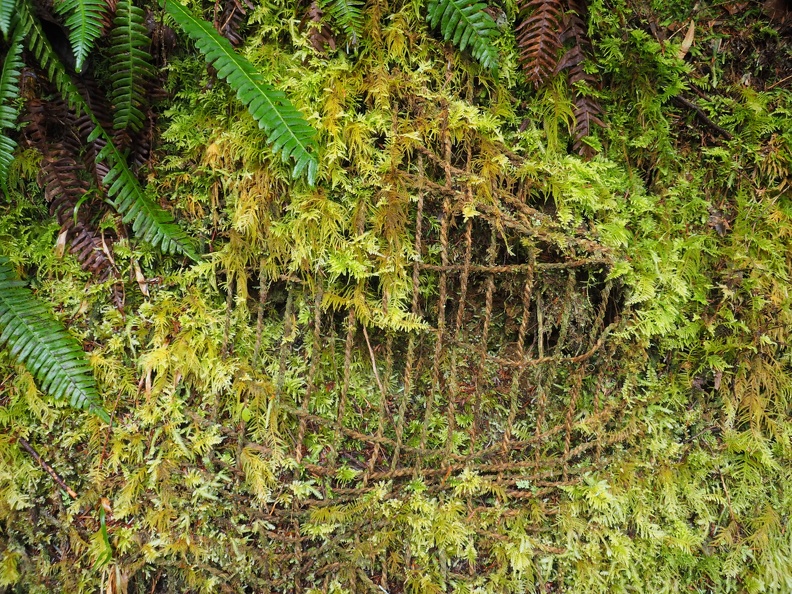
point(65, 188)
point(539, 39)
point(286, 129)
point(466, 23)
point(33, 336)
point(319, 34)
point(9, 90)
point(149, 220)
point(6, 12)
point(349, 16)
point(42, 51)
point(85, 21)
point(588, 111)
point(130, 66)
point(233, 18)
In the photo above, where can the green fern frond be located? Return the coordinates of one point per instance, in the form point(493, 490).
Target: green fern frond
point(130, 66)
point(286, 129)
point(349, 16)
point(33, 336)
point(6, 12)
point(149, 220)
point(84, 20)
point(466, 23)
point(42, 51)
point(9, 90)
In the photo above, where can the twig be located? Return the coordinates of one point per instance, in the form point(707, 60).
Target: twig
point(703, 116)
point(109, 430)
point(778, 82)
point(373, 362)
point(55, 476)
point(156, 580)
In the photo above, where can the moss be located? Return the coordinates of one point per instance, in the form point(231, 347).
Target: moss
point(574, 378)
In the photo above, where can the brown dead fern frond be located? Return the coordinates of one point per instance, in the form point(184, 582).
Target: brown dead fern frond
point(65, 187)
point(588, 111)
point(232, 19)
point(319, 33)
point(538, 38)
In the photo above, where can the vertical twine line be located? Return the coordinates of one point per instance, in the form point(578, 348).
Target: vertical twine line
point(577, 375)
point(384, 574)
point(598, 388)
point(316, 353)
point(360, 225)
point(463, 280)
point(597, 404)
point(384, 383)
point(350, 342)
point(285, 342)
point(492, 254)
point(298, 550)
point(573, 398)
point(567, 313)
point(263, 293)
point(453, 385)
point(541, 402)
point(520, 371)
point(544, 385)
point(600, 319)
point(408, 368)
point(229, 307)
point(443, 292)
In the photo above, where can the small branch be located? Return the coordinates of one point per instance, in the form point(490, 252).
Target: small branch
point(703, 116)
point(373, 362)
point(109, 431)
point(55, 476)
point(778, 82)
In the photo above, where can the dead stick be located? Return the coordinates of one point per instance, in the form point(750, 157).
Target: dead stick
point(55, 476)
point(373, 362)
point(778, 82)
point(703, 116)
point(109, 430)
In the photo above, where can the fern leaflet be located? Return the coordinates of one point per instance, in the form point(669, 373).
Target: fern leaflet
point(466, 23)
point(85, 21)
point(9, 90)
point(286, 128)
point(33, 336)
point(130, 66)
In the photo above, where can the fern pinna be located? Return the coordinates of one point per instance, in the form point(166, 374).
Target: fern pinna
point(466, 24)
point(65, 189)
point(319, 34)
point(37, 340)
point(6, 13)
point(286, 129)
point(539, 40)
point(588, 110)
point(230, 22)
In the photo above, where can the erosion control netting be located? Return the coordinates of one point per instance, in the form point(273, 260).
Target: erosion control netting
point(504, 396)
point(494, 382)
